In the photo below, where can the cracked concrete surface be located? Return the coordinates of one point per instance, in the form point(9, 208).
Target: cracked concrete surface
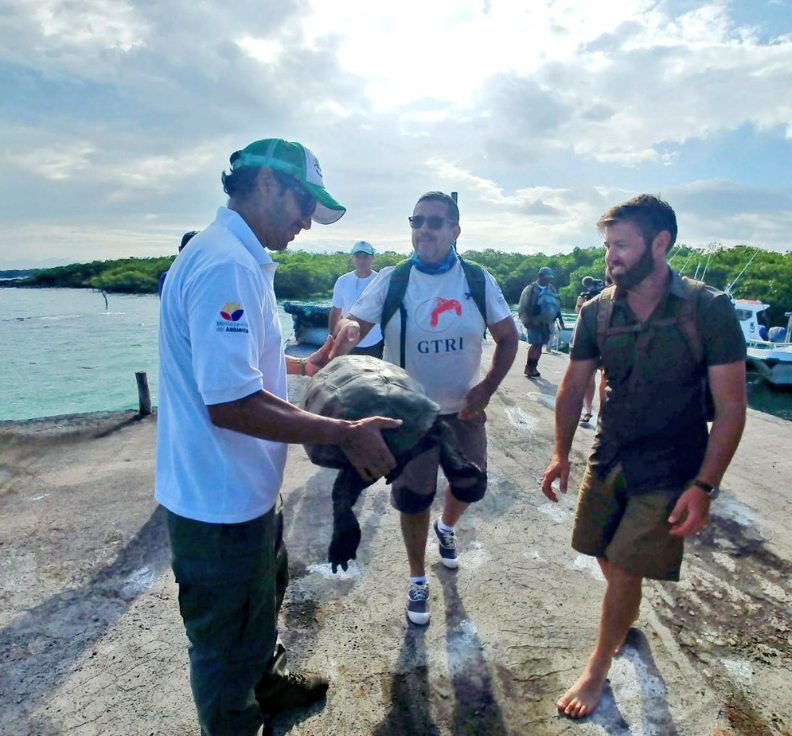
point(91, 643)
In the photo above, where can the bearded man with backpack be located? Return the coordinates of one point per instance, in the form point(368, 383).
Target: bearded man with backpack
point(665, 342)
point(539, 309)
point(434, 309)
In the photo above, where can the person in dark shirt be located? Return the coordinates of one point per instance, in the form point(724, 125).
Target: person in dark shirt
point(186, 238)
point(538, 319)
point(655, 468)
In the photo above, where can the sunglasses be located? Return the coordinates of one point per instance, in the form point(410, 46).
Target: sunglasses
point(304, 198)
point(433, 222)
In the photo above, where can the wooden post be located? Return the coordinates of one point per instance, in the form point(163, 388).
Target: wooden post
point(144, 395)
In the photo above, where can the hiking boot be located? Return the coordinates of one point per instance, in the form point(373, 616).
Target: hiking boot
point(533, 373)
point(299, 690)
point(446, 544)
point(418, 603)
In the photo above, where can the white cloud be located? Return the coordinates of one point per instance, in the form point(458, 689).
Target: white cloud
point(105, 24)
point(119, 116)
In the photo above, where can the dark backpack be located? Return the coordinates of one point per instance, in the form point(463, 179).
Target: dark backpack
point(394, 299)
point(685, 319)
point(547, 306)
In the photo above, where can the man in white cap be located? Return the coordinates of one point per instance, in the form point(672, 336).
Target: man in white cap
point(223, 420)
point(347, 291)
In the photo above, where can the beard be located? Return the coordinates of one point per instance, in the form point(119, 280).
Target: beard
point(632, 277)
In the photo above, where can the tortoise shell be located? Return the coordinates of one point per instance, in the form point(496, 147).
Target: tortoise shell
point(357, 386)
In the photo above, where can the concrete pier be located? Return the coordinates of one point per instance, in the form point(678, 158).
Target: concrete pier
point(91, 643)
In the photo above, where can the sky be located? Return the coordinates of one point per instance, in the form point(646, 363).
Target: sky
point(117, 117)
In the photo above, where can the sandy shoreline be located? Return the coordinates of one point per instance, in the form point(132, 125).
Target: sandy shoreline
point(91, 642)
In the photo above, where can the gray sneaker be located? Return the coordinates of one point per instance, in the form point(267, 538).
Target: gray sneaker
point(446, 542)
point(418, 603)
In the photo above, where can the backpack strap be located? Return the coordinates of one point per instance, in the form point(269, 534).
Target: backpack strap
point(474, 274)
point(687, 313)
point(396, 290)
point(604, 315)
point(394, 301)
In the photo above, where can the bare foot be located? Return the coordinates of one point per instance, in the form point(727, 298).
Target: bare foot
point(584, 696)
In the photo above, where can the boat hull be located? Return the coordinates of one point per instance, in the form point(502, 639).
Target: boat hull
point(773, 362)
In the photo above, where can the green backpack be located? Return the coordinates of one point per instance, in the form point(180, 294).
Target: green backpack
point(394, 299)
point(685, 319)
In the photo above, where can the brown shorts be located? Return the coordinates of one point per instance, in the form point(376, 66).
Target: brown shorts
point(414, 490)
point(630, 530)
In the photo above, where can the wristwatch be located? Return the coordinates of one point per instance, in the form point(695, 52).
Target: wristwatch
point(712, 491)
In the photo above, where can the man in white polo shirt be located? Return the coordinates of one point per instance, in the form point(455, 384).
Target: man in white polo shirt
point(347, 291)
point(223, 419)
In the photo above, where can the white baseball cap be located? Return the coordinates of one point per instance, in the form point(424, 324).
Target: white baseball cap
point(362, 246)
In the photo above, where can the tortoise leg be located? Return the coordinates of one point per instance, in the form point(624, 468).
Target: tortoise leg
point(452, 459)
point(346, 530)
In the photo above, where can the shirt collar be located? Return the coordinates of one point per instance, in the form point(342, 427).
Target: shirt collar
point(677, 286)
point(234, 222)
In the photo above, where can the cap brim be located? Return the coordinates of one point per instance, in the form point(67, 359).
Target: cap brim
point(327, 209)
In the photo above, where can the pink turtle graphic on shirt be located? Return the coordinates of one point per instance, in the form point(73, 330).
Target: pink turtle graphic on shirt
point(438, 314)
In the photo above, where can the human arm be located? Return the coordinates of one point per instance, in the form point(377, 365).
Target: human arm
point(727, 384)
point(569, 402)
point(314, 362)
point(504, 333)
point(524, 307)
point(269, 417)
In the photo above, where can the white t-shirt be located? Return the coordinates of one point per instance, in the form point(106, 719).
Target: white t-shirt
point(445, 330)
point(219, 340)
point(346, 292)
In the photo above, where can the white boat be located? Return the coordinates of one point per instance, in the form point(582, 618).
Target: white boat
point(770, 358)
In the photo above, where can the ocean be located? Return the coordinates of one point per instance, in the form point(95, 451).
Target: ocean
point(66, 353)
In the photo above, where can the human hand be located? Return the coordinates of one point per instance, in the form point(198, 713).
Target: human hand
point(346, 339)
point(557, 470)
point(476, 401)
point(365, 447)
point(691, 513)
point(319, 359)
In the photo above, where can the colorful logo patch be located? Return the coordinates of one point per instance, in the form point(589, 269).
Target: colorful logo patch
point(232, 312)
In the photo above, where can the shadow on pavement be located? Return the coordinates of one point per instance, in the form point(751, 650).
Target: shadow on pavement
point(39, 648)
point(636, 666)
point(410, 692)
point(476, 710)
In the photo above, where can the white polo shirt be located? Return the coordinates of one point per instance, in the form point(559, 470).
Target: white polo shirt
point(445, 330)
point(346, 292)
point(219, 340)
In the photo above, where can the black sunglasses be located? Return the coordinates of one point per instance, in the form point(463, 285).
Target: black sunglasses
point(305, 199)
point(434, 222)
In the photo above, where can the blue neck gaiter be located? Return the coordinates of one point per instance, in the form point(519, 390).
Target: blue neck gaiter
point(435, 268)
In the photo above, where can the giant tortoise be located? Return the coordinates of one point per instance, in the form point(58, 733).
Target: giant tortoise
point(358, 386)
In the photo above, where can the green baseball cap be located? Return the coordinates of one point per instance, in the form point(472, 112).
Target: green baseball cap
point(295, 160)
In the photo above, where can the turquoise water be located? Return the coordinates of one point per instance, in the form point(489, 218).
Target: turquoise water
point(65, 353)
